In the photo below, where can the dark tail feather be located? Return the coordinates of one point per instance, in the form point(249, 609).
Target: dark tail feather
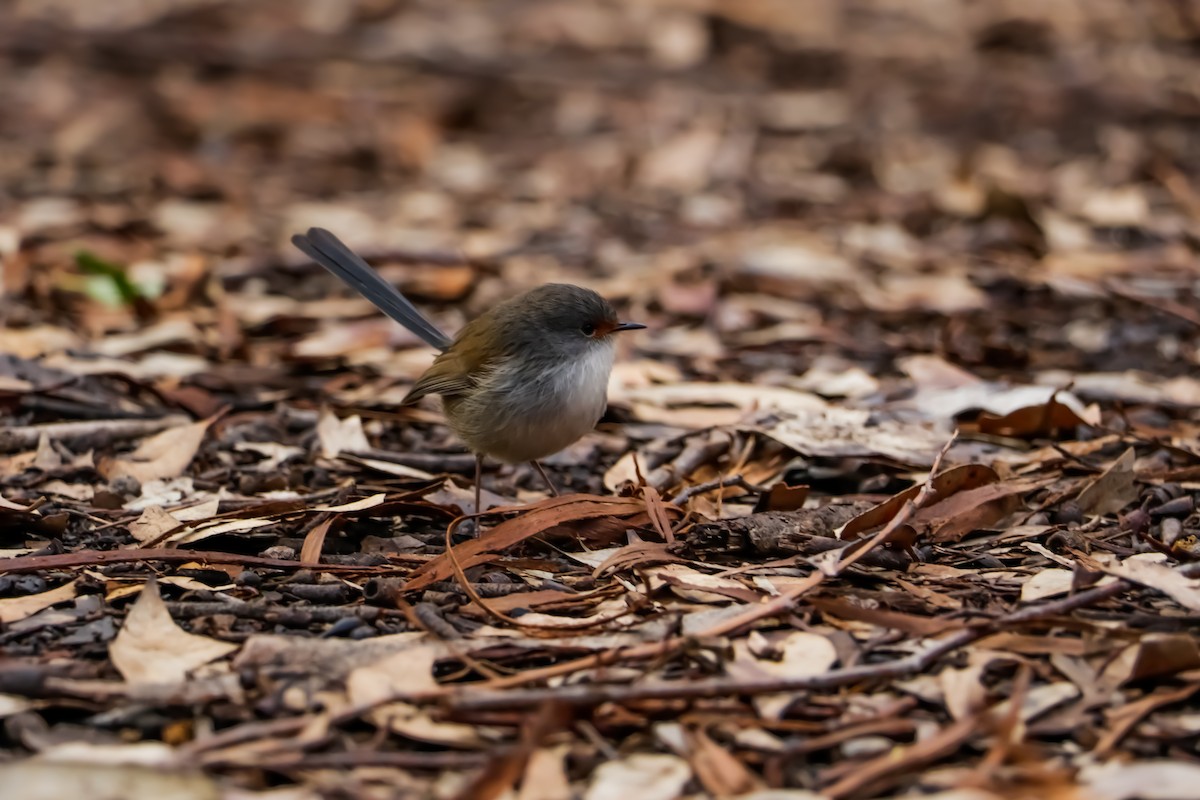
point(327, 250)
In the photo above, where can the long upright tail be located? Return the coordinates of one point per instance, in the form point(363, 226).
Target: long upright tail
point(327, 250)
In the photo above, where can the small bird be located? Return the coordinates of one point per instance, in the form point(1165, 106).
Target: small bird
point(521, 381)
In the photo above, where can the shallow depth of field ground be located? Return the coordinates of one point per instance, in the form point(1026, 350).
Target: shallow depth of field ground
point(895, 496)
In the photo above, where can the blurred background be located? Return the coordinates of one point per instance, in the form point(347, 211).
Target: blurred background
point(773, 184)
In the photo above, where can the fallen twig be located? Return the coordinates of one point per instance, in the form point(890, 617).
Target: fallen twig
point(591, 695)
point(96, 558)
point(93, 433)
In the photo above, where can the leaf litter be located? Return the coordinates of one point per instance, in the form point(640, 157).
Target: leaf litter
point(896, 496)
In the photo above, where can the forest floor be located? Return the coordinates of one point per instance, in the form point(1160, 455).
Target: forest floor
point(895, 496)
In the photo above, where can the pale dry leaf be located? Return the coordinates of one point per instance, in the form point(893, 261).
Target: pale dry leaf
point(36, 341)
point(152, 524)
point(406, 671)
point(34, 779)
point(546, 775)
point(798, 654)
point(363, 504)
point(948, 293)
point(1149, 569)
point(625, 470)
point(15, 608)
point(1048, 554)
point(682, 163)
point(205, 509)
point(117, 590)
point(274, 454)
point(1159, 779)
point(610, 610)
point(147, 754)
point(671, 575)
point(170, 331)
point(164, 455)
point(846, 432)
point(46, 458)
point(391, 468)
point(933, 373)
point(336, 435)
point(417, 723)
point(1040, 699)
point(1000, 400)
point(963, 690)
point(646, 776)
point(1047, 583)
point(343, 338)
point(150, 648)
point(663, 403)
point(196, 533)
point(11, 705)
point(1122, 206)
point(837, 380)
point(168, 492)
point(1113, 489)
point(793, 256)
point(80, 492)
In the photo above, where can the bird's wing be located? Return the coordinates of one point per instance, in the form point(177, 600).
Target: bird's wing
point(476, 354)
point(445, 377)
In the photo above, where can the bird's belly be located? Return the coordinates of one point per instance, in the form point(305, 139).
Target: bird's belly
point(514, 419)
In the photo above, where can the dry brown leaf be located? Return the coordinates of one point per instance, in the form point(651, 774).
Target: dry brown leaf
point(948, 293)
point(797, 654)
point(314, 541)
point(946, 483)
point(151, 649)
point(845, 432)
point(164, 455)
point(963, 690)
point(153, 524)
point(1045, 418)
point(15, 608)
point(1149, 569)
point(972, 509)
point(535, 519)
point(1047, 583)
point(1163, 654)
point(696, 586)
point(402, 673)
point(1113, 490)
point(718, 770)
point(217, 527)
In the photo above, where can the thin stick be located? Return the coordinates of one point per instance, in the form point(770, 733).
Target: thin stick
point(596, 694)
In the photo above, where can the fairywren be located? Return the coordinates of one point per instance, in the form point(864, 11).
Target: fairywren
point(521, 381)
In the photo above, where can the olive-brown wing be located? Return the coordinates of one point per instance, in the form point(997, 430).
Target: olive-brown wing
point(475, 352)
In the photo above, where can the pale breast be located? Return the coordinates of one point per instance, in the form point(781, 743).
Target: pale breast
point(523, 414)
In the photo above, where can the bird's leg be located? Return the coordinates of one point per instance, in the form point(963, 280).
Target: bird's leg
point(478, 483)
point(545, 477)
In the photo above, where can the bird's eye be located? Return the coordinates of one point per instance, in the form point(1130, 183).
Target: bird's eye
point(588, 329)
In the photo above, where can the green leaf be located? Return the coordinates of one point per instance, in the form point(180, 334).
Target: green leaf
point(115, 282)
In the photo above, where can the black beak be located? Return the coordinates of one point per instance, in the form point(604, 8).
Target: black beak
point(628, 326)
